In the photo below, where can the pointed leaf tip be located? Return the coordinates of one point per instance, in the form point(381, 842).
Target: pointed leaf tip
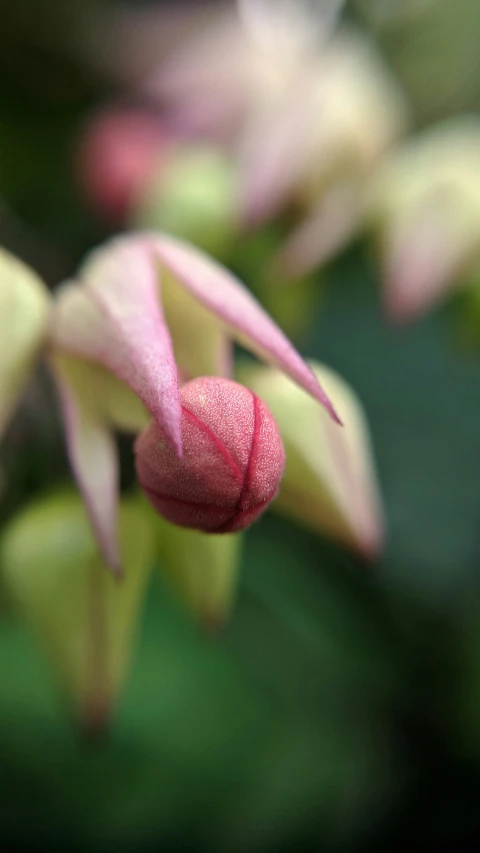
point(227, 298)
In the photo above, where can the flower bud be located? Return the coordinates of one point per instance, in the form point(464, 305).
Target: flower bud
point(232, 461)
point(191, 195)
point(117, 153)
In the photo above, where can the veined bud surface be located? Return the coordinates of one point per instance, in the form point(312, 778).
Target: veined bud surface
point(232, 463)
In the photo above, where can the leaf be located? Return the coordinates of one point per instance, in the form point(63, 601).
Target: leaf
point(225, 296)
point(329, 483)
point(202, 570)
point(24, 309)
point(200, 342)
point(92, 453)
point(83, 617)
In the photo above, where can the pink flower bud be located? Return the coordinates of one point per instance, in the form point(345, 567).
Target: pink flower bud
point(116, 156)
point(232, 461)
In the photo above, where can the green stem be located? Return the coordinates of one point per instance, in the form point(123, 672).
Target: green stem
point(97, 706)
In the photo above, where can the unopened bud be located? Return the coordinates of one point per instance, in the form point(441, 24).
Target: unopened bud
point(232, 461)
point(191, 195)
point(118, 151)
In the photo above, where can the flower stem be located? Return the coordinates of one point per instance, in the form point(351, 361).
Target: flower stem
point(97, 704)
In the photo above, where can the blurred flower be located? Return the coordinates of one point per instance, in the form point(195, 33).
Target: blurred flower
point(142, 306)
point(247, 54)
point(118, 149)
point(306, 114)
point(85, 621)
point(132, 168)
point(425, 205)
point(361, 113)
point(191, 194)
point(231, 464)
point(330, 484)
point(24, 311)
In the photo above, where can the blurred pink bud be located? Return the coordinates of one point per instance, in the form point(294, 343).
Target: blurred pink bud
point(232, 463)
point(118, 151)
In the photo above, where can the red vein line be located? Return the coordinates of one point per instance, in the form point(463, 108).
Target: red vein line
point(220, 446)
point(252, 455)
point(184, 503)
point(236, 515)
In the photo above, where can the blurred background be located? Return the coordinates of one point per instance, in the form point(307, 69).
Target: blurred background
point(329, 154)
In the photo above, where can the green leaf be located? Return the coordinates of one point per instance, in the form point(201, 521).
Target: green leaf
point(201, 568)
point(24, 306)
point(84, 618)
point(192, 197)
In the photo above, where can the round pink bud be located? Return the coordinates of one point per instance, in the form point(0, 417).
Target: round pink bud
point(232, 461)
point(116, 156)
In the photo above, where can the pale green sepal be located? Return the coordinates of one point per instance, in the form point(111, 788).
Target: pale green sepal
point(24, 312)
point(84, 618)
